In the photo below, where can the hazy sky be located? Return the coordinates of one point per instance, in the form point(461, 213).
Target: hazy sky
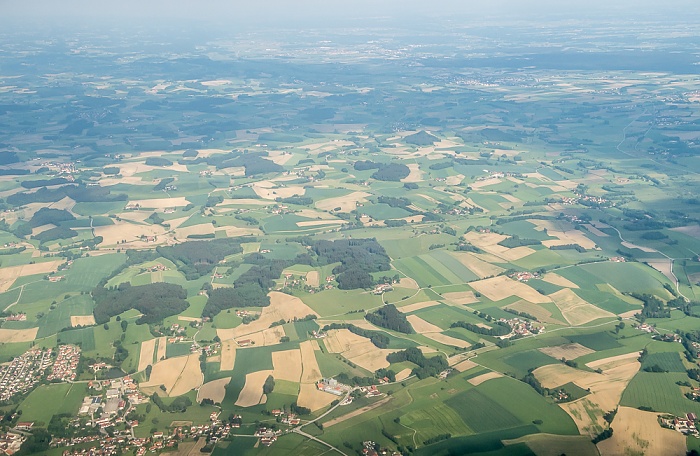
point(294, 12)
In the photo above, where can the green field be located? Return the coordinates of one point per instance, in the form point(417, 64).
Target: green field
point(49, 400)
point(85, 338)
point(597, 341)
point(481, 413)
point(669, 362)
point(660, 392)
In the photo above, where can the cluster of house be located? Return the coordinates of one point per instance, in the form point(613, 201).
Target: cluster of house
point(671, 337)
point(521, 327)
point(618, 259)
point(158, 267)
point(66, 364)
point(124, 440)
point(444, 374)
point(382, 288)
point(112, 402)
point(286, 418)
point(318, 334)
point(370, 448)
point(60, 168)
point(267, 436)
point(371, 391)
point(524, 276)
point(16, 317)
point(593, 199)
point(11, 442)
point(646, 328)
point(23, 372)
point(205, 173)
point(683, 424)
point(55, 278)
point(332, 386)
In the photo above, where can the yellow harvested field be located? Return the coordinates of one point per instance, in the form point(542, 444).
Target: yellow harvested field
point(489, 243)
point(310, 372)
point(407, 282)
point(273, 192)
point(665, 267)
point(357, 349)
point(448, 340)
point(214, 390)
point(485, 183)
point(204, 228)
point(282, 307)
point(357, 412)
point(346, 203)
point(606, 388)
point(542, 314)
point(179, 375)
point(556, 279)
point(314, 344)
point(564, 232)
point(17, 335)
point(252, 392)
point(479, 379)
point(124, 231)
point(320, 223)
point(629, 245)
point(243, 202)
point(403, 374)
point(461, 297)
point(161, 203)
point(311, 213)
point(228, 355)
point(312, 278)
point(10, 274)
point(569, 237)
point(416, 175)
point(82, 320)
point(287, 365)
point(42, 228)
point(454, 180)
point(556, 445)
point(568, 351)
point(280, 158)
point(613, 361)
point(272, 336)
point(417, 306)
point(181, 318)
point(476, 265)
point(312, 398)
point(692, 230)
point(502, 287)
point(575, 310)
point(161, 346)
point(421, 326)
point(148, 348)
point(638, 432)
point(464, 366)
point(595, 231)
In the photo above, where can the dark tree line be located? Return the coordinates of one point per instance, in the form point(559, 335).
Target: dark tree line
point(427, 367)
point(155, 301)
point(389, 317)
point(499, 329)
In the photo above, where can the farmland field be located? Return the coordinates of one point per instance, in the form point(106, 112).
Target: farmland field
point(205, 209)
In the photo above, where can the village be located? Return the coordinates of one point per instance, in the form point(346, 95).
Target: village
point(24, 372)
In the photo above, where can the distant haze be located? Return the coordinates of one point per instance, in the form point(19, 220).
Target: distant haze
point(290, 13)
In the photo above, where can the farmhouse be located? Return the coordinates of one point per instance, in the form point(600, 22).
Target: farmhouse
point(332, 386)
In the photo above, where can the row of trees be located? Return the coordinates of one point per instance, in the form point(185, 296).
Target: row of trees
point(427, 367)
